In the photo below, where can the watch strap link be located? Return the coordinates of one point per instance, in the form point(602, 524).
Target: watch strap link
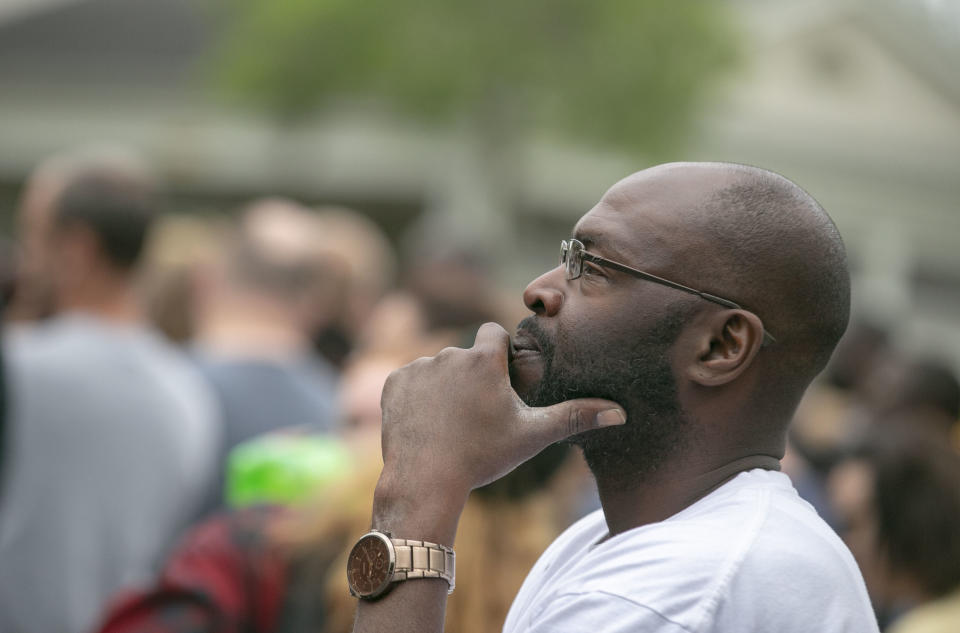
point(422, 559)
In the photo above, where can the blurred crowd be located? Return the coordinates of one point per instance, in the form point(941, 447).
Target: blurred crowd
point(875, 447)
point(190, 438)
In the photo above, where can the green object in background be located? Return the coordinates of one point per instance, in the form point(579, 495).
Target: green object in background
point(283, 468)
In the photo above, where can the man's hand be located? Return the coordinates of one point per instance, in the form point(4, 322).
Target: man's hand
point(452, 423)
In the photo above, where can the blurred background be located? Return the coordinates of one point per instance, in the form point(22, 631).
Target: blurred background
point(382, 176)
point(498, 131)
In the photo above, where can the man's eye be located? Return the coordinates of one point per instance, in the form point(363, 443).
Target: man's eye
point(593, 270)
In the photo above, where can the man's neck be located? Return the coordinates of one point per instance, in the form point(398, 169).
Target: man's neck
point(670, 489)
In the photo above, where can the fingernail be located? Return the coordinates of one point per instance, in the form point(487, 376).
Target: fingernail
point(611, 417)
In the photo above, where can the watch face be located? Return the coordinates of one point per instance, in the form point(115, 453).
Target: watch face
point(370, 565)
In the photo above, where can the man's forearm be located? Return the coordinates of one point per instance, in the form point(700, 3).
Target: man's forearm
point(413, 606)
point(416, 605)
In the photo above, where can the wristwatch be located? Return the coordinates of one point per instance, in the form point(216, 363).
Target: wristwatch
point(377, 561)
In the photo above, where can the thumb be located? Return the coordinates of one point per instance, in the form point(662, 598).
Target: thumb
point(552, 424)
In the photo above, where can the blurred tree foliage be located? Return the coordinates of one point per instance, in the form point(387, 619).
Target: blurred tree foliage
point(622, 72)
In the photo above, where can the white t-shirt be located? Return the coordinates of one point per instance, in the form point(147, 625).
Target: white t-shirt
point(750, 557)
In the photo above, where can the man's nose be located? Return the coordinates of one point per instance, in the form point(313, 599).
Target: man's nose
point(542, 296)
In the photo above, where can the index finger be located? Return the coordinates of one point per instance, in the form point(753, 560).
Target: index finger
point(493, 338)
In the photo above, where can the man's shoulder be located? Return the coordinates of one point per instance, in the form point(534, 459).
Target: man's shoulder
point(733, 548)
point(663, 572)
point(682, 556)
point(759, 523)
point(708, 533)
point(790, 537)
point(669, 566)
point(794, 562)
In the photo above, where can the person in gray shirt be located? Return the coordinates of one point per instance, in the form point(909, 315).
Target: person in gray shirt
point(112, 431)
point(272, 285)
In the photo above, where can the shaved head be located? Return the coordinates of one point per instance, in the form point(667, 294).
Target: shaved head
point(755, 237)
point(782, 255)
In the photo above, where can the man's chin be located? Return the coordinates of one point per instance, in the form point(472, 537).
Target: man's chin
point(526, 375)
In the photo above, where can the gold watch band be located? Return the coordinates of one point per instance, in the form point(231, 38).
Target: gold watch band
point(422, 559)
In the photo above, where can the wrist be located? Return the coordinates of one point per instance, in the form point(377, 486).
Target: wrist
point(427, 511)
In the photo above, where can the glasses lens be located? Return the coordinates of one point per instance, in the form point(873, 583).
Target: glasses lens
point(570, 258)
point(574, 259)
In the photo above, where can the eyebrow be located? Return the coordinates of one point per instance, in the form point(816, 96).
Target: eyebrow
point(591, 242)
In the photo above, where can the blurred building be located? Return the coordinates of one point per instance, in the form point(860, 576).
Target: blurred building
point(857, 100)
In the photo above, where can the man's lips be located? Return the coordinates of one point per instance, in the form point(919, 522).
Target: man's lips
point(523, 345)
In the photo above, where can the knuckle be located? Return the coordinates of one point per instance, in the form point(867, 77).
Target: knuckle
point(396, 379)
point(576, 422)
point(392, 379)
point(493, 328)
point(491, 333)
point(447, 356)
point(447, 352)
point(413, 367)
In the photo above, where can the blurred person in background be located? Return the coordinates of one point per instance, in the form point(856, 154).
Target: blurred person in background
point(370, 265)
point(921, 391)
point(868, 380)
point(112, 432)
point(179, 249)
point(865, 344)
point(898, 498)
point(32, 296)
point(257, 309)
point(273, 286)
point(836, 409)
point(455, 290)
point(444, 296)
point(835, 412)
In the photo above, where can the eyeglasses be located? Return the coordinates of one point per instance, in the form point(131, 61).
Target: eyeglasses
point(572, 254)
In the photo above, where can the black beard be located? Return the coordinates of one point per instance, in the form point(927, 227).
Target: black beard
point(635, 375)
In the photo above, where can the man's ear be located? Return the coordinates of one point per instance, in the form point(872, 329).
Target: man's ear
point(726, 348)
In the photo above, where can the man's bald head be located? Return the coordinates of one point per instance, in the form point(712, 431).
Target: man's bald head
point(756, 238)
point(785, 259)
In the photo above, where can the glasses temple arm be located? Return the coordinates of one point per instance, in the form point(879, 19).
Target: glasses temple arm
point(660, 280)
point(767, 337)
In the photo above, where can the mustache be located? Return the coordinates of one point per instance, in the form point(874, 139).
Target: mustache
point(532, 327)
